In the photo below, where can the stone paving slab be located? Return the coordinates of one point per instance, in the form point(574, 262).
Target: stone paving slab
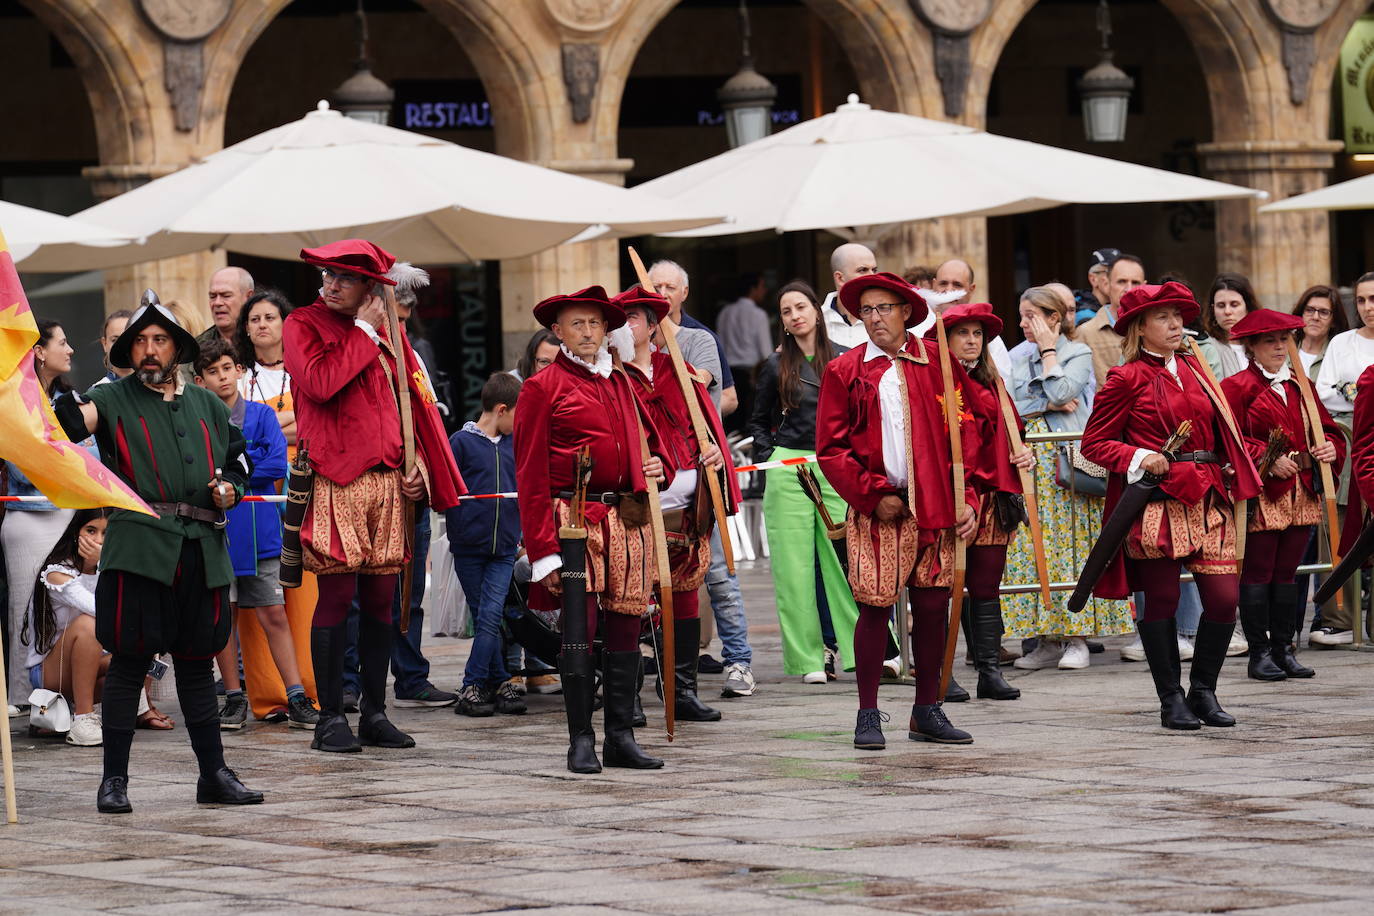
point(1072, 800)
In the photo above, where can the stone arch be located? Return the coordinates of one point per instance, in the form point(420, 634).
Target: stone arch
point(887, 46)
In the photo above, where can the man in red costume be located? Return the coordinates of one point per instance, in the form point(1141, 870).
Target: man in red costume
point(343, 369)
point(581, 400)
point(687, 516)
point(882, 442)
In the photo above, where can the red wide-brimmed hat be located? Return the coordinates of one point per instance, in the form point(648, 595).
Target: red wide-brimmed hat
point(1140, 300)
point(1264, 321)
point(358, 256)
point(854, 289)
point(639, 297)
point(546, 312)
point(972, 311)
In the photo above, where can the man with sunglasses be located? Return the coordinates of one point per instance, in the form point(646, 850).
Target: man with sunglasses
point(883, 444)
point(343, 369)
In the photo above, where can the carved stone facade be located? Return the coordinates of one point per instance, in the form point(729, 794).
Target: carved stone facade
point(159, 78)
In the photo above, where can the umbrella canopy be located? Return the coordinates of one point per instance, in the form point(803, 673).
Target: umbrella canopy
point(859, 167)
point(1355, 194)
point(27, 229)
point(327, 177)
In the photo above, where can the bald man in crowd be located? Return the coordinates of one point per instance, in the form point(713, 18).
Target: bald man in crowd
point(848, 261)
point(956, 275)
point(230, 288)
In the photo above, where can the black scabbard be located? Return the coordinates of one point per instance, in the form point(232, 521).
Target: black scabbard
point(299, 486)
point(1113, 536)
point(573, 577)
point(1357, 556)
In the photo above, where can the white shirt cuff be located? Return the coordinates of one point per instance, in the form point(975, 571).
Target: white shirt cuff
point(545, 565)
point(1135, 471)
point(368, 329)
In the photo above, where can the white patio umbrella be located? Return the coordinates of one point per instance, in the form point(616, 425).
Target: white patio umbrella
point(1355, 194)
point(860, 168)
point(27, 229)
point(327, 177)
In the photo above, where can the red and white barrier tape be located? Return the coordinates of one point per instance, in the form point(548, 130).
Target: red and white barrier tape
point(742, 469)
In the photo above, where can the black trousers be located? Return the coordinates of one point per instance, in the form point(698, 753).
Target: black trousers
point(199, 710)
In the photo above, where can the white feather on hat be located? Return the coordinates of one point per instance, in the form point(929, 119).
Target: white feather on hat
point(408, 277)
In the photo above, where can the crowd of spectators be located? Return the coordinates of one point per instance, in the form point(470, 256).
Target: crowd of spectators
point(764, 383)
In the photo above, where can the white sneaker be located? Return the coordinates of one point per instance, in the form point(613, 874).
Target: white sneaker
point(1330, 636)
point(13, 711)
point(85, 731)
point(1238, 644)
point(739, 681)
point(1135, 652)
point(892, 667)
point(814, 677)
point(1046, 655)
point(1075, 655)
point(1185, 648)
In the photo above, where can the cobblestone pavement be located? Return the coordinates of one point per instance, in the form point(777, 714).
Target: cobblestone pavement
point(1071, 800)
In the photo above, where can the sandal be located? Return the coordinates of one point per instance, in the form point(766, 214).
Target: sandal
point(155, 720)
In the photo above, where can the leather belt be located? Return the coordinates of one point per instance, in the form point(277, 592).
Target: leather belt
point(186, 510)
point(1198, 457)
point(609, 499)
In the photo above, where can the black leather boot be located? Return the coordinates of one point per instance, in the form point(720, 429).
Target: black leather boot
point(332, 732)
point(617, 683)
point(1283, 625)
point(575, 672)
point(223, 787)
point(868, 730)
point(954, 693)
point(374, 663)
point(1254, 620)
point(985, 622)
point(639, 720)
point(687, 634)
point(1160, 639)
point(1209, 654)
point(929, 723)
point(113, 797)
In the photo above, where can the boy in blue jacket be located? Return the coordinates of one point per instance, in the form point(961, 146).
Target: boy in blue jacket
point(254, 537)
point(484, 536)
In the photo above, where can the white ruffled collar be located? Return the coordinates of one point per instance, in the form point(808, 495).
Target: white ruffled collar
point(601, 367)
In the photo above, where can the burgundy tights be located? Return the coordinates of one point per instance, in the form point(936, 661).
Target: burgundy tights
point(928, 624)
point(1159, 578)
point(686, 605)
point(985, 567)
point(375, 595)
point(621, 632)
point(1273, 556)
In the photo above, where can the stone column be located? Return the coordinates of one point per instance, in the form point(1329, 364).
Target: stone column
point(1281, 253)
point(933, 241)
point(184, 279)
point(565, 269)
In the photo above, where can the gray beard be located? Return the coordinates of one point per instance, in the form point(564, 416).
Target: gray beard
point(156, 377)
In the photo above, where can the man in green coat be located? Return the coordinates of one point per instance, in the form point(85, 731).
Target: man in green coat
point(164, 581)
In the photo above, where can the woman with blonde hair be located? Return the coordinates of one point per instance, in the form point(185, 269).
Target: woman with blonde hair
point(1050, 389)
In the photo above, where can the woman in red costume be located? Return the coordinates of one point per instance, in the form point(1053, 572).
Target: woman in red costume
point(1190, 521)
point(995, 479)
point(1269, 409)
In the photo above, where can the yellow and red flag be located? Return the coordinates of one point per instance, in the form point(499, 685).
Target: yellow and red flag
point(30, 436)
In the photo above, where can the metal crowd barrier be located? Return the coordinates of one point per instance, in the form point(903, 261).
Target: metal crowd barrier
point(1351, 591)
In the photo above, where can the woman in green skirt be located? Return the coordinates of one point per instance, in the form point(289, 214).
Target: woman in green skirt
point(784, 426)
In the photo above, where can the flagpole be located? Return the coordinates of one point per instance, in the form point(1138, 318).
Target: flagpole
point(6, 751)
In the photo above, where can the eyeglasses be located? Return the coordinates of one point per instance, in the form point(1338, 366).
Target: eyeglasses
point(882, 308)
point(1316, 312)
point(343, 281)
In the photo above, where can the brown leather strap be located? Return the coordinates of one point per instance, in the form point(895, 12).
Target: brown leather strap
point(186, 510)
